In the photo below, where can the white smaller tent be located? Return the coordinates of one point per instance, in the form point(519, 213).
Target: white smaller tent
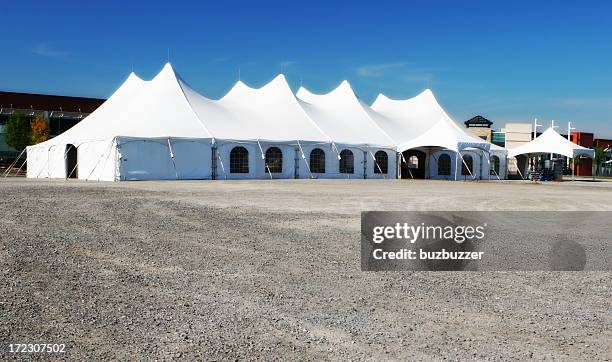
point(551, 142)
point(422, 129)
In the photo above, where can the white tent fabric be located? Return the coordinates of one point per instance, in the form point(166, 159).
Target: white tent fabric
point(422, 122)
point(551, 142)
point(342, 116)
point(269, 113)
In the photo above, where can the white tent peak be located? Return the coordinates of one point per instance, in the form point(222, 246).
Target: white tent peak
point(425, 96)
point(278, 85)
point(343, 91)
point(133, 75)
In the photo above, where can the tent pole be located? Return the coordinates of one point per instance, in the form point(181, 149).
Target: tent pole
point(436, 161)
point(334, 148)
point(365, 165)
point(304, 158)
point(493, 169)
point(172, 158)
point(377, 165)
point(456, 163)
point(397, 166)
point(213, 161)
point(519, 169)
point(24, 162)
point(407, 168)
point(488, 165)
point(466, 166)
point(428, 163)
point(97, 163)
point(263, 157)
point(222, 166)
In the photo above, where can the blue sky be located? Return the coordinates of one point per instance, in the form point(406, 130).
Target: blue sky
point(507, 60)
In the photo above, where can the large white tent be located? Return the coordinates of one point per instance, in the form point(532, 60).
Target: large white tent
point(551, 142)
point(163, 129)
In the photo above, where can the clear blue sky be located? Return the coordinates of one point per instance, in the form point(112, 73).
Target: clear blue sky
point(506, 60)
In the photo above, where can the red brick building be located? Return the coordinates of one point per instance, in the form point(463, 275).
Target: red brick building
point(585, 166)
point(602, 143)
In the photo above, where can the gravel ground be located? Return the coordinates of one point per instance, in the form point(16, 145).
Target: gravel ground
point(270, 270)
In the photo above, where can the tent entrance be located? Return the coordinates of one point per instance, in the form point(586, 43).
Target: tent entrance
point(71, 161)
point(416, 163)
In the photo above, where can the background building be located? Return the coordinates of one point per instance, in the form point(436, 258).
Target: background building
point(60, 113)
point(480, 126)
point(584, 167)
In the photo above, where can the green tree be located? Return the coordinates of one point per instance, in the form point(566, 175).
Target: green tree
point(599, 158)
point(18, 132)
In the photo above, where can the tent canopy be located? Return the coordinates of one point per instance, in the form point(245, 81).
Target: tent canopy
point(551, 142)
point(155, 108)
point(341, 115)
point(421, 122)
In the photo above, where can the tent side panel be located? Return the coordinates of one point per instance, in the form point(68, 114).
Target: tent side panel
point(96, 160)
point(37, 162)
point(46, 162)
point(192, 158)
point(155, 159)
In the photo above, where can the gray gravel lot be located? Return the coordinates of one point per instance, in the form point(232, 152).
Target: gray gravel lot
point(270, 270)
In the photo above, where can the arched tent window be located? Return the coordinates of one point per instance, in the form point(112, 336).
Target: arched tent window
point(239, 160)
point(444, 165)
point(467, 160)
point(347, 162)
point(413, 162)
point(274, 160)
point(382, 162)
point(317, 161)
point(494, 165)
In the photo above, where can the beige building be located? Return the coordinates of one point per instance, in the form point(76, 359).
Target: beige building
point(480, 127)
point(484, 133)
point(517, 134)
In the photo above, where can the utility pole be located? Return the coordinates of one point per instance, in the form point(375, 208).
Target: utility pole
point(569, 138)
point(552, 124)
point(535, 127)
